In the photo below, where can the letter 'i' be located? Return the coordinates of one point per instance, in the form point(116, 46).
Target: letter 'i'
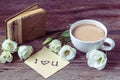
point(36, 61)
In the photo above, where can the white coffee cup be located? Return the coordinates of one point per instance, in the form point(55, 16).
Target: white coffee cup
point(85, 46)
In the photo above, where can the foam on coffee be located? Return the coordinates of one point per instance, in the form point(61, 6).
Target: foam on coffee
point(88, 32)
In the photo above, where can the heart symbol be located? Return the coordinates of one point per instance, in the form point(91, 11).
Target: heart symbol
point(45, 62)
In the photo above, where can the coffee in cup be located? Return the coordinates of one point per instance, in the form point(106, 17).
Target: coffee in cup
point(88, 32)
point(87, 35)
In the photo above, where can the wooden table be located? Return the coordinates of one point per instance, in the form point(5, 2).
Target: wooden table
point(61, 13)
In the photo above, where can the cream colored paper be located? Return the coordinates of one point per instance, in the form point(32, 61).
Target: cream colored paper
point(46, 63)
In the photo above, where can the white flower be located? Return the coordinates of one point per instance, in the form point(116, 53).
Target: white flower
point(24, 51)
point(9, 45)
point(67, 52)
point(55, 45)
point(96, 59)
point(6, 57)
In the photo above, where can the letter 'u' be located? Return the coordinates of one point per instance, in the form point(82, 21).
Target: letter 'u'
point(54, 63)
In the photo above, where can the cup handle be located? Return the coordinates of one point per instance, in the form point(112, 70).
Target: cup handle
point(110, 42)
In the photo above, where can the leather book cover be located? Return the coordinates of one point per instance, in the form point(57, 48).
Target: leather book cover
point(26, 25)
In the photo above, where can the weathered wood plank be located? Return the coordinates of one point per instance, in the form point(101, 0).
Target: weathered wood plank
point(60, 13)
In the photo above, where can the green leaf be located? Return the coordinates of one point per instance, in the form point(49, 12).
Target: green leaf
point(66, 40)
point(65, 34)
point(49, 39)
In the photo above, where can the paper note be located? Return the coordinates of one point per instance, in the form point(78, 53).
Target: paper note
point(46, 63)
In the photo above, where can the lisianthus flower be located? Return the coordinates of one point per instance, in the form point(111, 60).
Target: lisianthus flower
point(55, 45)
point(24, 51)
point(9, 45)
point(6, 57)
point(96, 59)
point(67, 52)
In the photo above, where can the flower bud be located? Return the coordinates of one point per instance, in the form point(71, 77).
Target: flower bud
point(47, 40)
point(6, 57)
point(96, 59)
point(9, 45)
point(55, 45)
point(25, 51)
point(67, 52)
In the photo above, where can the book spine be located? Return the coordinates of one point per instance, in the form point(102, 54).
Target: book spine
point(18, 30)
point(14, 30)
